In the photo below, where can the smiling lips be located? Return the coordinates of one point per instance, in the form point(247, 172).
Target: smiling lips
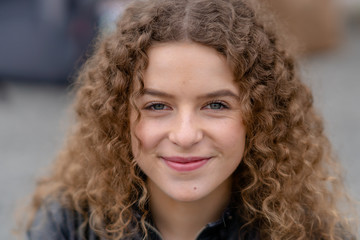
point(182, 164)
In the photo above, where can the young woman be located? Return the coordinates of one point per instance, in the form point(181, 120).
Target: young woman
point(191, 123)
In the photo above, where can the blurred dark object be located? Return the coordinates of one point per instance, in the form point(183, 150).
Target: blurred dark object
point(316, 25)
point(354, 18)
point(42, 40)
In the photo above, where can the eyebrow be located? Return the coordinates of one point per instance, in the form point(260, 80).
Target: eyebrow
point(219, 93)
point(156, 93)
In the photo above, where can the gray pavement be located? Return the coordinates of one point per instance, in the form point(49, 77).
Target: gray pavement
point(33, 122)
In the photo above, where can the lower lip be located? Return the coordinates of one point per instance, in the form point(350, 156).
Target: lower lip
point(186, 167)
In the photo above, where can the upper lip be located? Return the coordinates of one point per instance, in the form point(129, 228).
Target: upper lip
point(185, 159)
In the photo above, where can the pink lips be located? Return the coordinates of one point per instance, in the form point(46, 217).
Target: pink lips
point(182, 164)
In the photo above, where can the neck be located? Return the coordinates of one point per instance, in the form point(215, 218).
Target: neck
point(184, 220)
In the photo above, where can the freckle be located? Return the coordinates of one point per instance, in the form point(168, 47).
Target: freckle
point(195, 188)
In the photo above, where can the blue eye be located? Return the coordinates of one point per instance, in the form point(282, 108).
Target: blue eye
point(216, 106)
point(157, 107)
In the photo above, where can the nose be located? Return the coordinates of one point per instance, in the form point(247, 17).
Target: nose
point(186, 130)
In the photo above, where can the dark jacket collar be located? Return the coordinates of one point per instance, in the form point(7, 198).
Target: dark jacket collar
point(227, 227)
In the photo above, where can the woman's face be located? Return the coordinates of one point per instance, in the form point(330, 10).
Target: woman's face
point(191, 130)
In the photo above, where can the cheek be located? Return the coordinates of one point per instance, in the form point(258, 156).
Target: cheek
point(237, 133)
point(148, 133)
point(232, 137)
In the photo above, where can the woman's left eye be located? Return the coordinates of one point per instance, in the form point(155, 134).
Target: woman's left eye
point(216, 106)
point(157, 107)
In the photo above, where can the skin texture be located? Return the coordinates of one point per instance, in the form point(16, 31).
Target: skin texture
point(181, 116)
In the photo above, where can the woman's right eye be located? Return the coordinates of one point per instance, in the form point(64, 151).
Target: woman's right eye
point(157, 107)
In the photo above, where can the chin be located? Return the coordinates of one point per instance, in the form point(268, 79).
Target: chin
point(186, 196)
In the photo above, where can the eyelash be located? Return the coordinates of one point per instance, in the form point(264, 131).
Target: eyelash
point(222, 104)
point(151, 105)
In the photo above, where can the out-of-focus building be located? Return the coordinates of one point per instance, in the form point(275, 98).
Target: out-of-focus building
point(46, 40)
point(313, 25)
point(41, 40)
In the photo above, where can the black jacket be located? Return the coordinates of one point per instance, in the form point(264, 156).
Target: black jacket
point(54, 222)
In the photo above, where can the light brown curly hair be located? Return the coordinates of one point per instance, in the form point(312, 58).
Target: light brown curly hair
point(287, 184)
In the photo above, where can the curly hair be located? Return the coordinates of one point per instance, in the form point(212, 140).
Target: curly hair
point(287, 184)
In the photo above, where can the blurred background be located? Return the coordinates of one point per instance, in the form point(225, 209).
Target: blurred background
point(43, 42)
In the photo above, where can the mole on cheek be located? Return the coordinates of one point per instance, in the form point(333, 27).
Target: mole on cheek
point(195, 188)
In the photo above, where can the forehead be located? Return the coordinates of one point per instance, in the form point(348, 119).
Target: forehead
point(187, 64)
point(184, 54)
